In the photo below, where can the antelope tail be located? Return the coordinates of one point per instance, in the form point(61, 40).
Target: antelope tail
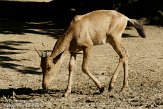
point(138, 27)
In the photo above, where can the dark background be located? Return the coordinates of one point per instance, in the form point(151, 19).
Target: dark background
point(62, 11)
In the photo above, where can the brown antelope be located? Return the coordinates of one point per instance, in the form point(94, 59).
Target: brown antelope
point(94, 28)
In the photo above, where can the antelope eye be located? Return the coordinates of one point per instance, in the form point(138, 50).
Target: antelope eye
point(48, 68)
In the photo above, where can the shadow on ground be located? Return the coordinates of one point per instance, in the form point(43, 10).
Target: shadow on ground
point(8, 48)
point(49, 28)
point(9, 93)
point(19, 18)
point(31, 17)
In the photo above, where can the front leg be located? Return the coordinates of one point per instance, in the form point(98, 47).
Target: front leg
point(71, 70)
point(86, 56)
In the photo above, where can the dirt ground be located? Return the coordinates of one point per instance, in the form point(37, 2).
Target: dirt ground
point(20, 74)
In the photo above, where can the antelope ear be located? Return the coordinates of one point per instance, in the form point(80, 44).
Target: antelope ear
point(40, 53)
point(55, 60)
point(45, 53)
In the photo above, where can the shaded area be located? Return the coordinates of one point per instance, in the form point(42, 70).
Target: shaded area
point(30, 70)
point(8, 48)
point(62, 11)
point(124, 35)
point(21, 18)
point(25, 91)
point(36, 11)
point(152, 11)
point(17, 92)
point(25, 94)
point(25, 10)
point(45, 17)
point(21, 27)
point(29, 17)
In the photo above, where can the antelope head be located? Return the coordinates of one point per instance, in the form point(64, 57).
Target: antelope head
point(49, 67)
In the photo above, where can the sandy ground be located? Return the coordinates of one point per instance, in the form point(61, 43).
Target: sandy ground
point(20, 75)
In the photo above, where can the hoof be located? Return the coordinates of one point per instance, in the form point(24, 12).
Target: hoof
point(110, 88)
point(66, 94)
point(44, 91)
point(44, 86)
point(101, 89)
point(124, 90)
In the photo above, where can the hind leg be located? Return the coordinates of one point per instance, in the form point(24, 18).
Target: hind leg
point(123, 60)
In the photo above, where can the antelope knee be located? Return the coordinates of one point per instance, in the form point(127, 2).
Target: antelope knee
point(71, 66)
point(124, 58)
point(84, 69)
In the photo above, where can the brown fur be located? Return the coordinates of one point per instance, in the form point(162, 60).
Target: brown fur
point(94, 28)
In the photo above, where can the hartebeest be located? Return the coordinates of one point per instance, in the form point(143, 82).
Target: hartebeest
point(94, 28)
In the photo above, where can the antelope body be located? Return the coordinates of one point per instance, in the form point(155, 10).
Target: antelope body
point(94, 28)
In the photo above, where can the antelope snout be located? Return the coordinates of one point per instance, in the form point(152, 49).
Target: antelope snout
point(45, 86)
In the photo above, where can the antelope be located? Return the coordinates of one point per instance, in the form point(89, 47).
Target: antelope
point(93, 28)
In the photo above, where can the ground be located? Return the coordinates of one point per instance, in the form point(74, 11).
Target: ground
point(20, 73)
